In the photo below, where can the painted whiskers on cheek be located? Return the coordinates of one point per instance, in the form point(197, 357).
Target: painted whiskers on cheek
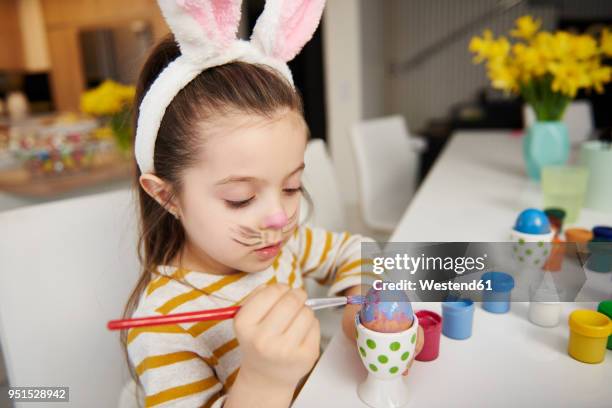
point(250, 237)
point(247, 236)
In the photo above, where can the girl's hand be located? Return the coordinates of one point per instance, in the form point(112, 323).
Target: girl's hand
point(278, 335)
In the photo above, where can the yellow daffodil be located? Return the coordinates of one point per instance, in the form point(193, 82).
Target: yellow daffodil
point(526, 27)
point(103, 132)
point(583, 46)
point(561, 45)
point(480, 46)
point(108, 98)
point(600, 75)
point(568, 77)
point(530, 59)
point(547, 69)
point(503, 75)
point(489, 48)
point(112, 101)
point(543, 42)
point(499, 48)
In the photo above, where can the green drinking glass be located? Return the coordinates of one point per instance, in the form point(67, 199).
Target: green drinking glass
point(565, 187)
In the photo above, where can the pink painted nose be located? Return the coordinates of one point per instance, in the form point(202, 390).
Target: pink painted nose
point(276, 221)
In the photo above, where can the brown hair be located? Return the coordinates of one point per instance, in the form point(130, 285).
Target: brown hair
point(236, 86)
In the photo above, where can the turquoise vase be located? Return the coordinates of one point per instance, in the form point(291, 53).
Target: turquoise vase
point(545, 144)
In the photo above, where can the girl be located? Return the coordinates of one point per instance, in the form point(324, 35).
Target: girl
point(219, 208)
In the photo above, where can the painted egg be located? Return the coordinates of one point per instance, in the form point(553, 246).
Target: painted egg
point(532, 221)
point(387, 311)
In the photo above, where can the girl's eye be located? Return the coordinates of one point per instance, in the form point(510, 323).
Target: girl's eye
point(292, 191)
point(238, 204)
point(244, 203)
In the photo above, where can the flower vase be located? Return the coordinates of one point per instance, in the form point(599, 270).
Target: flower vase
point(546, 144)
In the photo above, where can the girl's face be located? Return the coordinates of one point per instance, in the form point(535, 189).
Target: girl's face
point(241, 203)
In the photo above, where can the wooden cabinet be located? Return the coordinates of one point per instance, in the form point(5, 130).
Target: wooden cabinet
point(65, 18)
point(67, 81)
point(11, 53)
point(97, 12)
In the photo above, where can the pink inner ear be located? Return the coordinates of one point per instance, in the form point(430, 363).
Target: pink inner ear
point(227, 15)
point(299, 20)
point(223, 23)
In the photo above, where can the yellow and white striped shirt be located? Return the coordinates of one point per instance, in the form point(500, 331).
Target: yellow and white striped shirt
point(195, 364)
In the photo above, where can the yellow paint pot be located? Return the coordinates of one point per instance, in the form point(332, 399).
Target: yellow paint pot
point(589, 331)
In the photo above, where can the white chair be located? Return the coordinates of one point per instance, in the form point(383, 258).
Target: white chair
point(321, 183)
point(66, 268)
point(387, 160)
point(578, 118)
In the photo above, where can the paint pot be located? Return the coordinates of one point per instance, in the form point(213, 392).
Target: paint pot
point(603, 232)
point(555, 217)
point(497, 299)
point(545, 314)
point(601, 249)
point(457, 319)
point(605, 307)
point(545, 305)
point(589, 332)
point(600, 259)
point(579, 236)
point(431, 322)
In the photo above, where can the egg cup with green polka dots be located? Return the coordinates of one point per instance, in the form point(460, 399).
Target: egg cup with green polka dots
point(386, 357)
point(530, 250)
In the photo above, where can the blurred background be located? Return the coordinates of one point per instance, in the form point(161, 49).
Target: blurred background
point(62, 61)
point(368, 59)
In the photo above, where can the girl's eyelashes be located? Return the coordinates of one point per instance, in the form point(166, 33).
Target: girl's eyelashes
point(292, 191)
point(239, 204)
point(244, 203)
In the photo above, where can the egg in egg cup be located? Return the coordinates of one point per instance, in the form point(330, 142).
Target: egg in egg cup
point(386, 356)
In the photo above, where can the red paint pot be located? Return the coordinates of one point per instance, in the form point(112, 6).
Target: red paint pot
point(431, 322)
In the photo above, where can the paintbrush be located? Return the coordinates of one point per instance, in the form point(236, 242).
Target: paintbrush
point(222, 313)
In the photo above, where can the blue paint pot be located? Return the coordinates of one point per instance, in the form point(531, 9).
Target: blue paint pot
point(457, 318)
point(496, 300)
point(602, 233)
point(600, 259)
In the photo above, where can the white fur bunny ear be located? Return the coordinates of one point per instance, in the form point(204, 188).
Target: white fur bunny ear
point(202, 28)
point(285, 26)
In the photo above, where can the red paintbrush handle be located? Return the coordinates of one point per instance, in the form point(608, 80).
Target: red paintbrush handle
point(187, 317)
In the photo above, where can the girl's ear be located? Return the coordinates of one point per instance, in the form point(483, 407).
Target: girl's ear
point(285, 26)
point(160, 191)
point(202, 28)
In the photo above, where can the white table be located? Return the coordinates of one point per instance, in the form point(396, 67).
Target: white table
point(478, 181)
point(10, 201)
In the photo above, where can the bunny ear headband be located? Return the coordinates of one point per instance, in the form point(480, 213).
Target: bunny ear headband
point(206, 34)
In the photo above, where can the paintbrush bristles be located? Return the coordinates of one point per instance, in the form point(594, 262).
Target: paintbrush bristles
point(355, 300)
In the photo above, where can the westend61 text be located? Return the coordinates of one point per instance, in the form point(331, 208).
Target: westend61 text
point(429, 284)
